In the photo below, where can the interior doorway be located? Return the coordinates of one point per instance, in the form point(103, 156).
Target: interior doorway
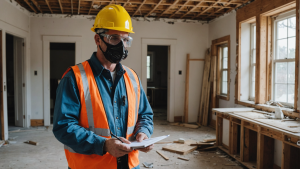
point(157, 78)
point(15, 80)
point(62, 56)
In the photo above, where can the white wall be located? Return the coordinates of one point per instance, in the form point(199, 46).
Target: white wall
point(15, 21)
point(191, 38)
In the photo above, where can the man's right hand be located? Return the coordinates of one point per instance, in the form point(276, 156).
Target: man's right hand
point(116, 148)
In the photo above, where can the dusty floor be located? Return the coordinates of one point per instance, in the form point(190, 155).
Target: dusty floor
point(49, 153)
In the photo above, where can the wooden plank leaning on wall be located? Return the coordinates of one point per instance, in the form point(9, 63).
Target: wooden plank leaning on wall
point(1, 90)
point(261, 11)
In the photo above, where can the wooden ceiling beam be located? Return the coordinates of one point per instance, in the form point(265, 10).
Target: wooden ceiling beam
point(78, 7)
point(126, 3)
point(229, 2)
point(180, 8)
point(139, 8)
point(37, 6)
point(206, 10)
point(29, 4)
point(91, 7)
point(196, 6)
point(61, 8)
point(154, 8)
point(171, 6)
point(72, 6)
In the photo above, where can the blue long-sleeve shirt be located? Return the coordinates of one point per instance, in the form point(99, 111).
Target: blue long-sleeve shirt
point(67, 110)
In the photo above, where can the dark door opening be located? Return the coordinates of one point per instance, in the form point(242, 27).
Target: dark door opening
point(15, 80)
point(62, 56)
point(157, 78)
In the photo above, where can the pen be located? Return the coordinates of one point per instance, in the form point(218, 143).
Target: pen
point(116, 137)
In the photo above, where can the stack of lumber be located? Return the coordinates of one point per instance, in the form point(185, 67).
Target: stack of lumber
point(209, 67)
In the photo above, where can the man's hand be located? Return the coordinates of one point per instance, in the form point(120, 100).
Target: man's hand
point(116, 148)
point(140, 137)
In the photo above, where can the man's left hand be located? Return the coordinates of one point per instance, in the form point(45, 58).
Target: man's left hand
point(140, 137)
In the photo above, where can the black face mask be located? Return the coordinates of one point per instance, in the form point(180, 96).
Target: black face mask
point(114, 53)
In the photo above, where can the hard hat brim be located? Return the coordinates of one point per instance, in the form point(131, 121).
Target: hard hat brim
point(114, 28)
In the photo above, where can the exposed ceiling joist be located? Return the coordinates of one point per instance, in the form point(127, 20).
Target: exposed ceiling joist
point(154, 8)
point(173, 9)
point(139, 8)
point(29, 4)
point(61, 8)
point(37, 5)
point(47, 2)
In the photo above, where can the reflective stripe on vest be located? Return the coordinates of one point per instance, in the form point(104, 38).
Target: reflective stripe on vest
point(93, 116)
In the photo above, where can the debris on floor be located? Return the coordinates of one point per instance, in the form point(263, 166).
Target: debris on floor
point(165, 157)
point(12, 142)
point(148, 165)
point(182, 158)
point(192, 126)
point(32, 142)
point(1, 143)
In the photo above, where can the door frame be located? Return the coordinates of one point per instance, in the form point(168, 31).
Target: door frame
point(46, 66)
point(171, 70)
point(16, 80)
point(1, 89)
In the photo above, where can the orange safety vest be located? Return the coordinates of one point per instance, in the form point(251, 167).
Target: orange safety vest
point(93, 117)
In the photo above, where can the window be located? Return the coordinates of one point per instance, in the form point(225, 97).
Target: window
point(224, 69)
point(150, 66)
point(284, 59)
point(252, 62)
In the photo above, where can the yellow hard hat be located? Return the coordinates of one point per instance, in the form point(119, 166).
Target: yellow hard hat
point(113, 17)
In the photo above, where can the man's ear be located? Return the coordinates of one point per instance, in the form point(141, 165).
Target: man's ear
point(97, 39)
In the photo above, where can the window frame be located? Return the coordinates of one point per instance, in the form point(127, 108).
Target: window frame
point(252, 65)
point(222, 69)
point(152, 55)
point(282, 17)
point(216, 53)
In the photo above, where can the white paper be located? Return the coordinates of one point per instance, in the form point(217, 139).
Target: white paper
point(147, 142)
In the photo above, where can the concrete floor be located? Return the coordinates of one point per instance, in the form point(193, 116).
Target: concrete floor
point(49, 153)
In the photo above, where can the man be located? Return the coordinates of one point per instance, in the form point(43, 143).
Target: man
point(100, 98)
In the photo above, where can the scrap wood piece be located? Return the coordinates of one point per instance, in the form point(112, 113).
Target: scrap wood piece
point(32, 142)
point(203, 144)
point(209, 140)
point(182, 158)
point(192, 126)
point(174, 124)
point(208, 148)
point(181, 149)
point(230, 164)
point(187, 142)
point(165, 157)
point(163, 142)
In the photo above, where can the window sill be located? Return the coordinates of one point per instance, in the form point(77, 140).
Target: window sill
point(286, 111)
point(223, 97)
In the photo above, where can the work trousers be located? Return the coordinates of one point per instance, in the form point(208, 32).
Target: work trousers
point(121, 161)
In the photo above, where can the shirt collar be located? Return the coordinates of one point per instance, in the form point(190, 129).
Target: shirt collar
point(98, 68)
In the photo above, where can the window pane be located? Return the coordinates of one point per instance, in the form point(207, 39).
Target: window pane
point(254, 56)
point(225, 52)
point(254, 34)
point(224, 87)
point(225, 63)
point(224, 77)
point(282, 29)
point(253, 74)
point(253, 89)
point(291, 90)
point(148, 73)
point(282, 49)
point(148, 61)
point(292, 26)
point(291, 72)
point(281, 92)
point(291, 47)
point(281, 72)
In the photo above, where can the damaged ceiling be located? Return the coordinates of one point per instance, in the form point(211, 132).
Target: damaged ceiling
point(203, 10)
